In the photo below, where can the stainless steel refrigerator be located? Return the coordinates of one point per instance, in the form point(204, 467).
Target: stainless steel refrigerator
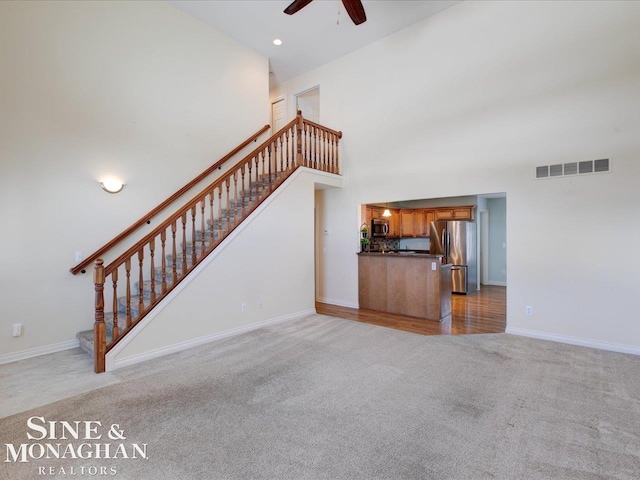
point(456, 240)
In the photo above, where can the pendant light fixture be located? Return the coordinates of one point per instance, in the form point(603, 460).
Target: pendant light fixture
point(386, 212)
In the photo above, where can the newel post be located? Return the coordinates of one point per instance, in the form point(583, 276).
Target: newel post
point(299, 127)
point(99, 327)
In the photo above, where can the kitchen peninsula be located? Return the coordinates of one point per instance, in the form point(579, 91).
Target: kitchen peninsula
point(405, 283)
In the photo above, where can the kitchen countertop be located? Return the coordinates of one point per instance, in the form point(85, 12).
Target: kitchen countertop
point(400, 254)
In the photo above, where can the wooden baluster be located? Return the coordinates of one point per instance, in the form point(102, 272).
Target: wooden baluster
point(244, 192)
point(333, 153)
point(279, 139)
point(307, 131)
point(174, 253)
point(184, 244)
point(140, 281)
point(265, 174)
point(152, 269)
point(271, 176)
point(236, 197)
point(203, 229)
point(315, 148)
point(320, 161)
point(163, 240)
point(211, 219)
point(286, 134)
point(99, 327)
point(127, 269)
point(250, 184)
point(228, 184)
point(337, 154)
point(259, 181)
point(299, 126)
point(325, 160)
point(114, 279)
point(193, 235)
point(328, 150)
point(219, 213)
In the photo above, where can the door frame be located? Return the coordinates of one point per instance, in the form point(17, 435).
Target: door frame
point(278, 99)
point(483, 272)
point(298, 93)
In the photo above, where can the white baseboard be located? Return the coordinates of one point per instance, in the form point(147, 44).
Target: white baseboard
point(613, 347)
point(113, 364)
point(36, 352)
point(339, 303)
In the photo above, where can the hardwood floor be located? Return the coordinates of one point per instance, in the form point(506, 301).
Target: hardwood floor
point(482, 312)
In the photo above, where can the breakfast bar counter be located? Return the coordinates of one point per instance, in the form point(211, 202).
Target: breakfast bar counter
point(405, 283)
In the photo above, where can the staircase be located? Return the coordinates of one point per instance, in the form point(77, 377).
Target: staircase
point(133, 284)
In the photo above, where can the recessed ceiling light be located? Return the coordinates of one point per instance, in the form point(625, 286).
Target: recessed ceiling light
point(277, 41)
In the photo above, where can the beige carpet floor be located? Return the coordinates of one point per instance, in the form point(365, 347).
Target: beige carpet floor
point(325, 398)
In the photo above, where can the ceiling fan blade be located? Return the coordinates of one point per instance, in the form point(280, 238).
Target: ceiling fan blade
point(355, 10)
point(296, 6)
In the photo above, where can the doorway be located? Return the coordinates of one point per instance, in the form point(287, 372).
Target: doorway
point(278, 114)
point(308, 102)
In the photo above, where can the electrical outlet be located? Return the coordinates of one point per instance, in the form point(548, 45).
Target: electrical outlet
point(244, 307)
point(17, 329)
point(528, 310)
point(259, 303)
point(78, 256)
point(433, 266)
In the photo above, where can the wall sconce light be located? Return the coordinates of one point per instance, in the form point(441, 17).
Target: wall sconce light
point(111, 186)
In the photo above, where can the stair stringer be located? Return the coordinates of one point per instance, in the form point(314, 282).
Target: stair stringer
point(157, 335)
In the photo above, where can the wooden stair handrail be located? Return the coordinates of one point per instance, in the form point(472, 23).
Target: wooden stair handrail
point(146, 218)
point(188, 205)
point(322, 127)
point(298, 144)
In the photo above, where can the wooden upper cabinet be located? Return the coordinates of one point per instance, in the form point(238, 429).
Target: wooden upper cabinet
point(415, 222)
point(407, 224)
point(455, 213)
point(394, 223)
point(419, 219)
point(429, 216)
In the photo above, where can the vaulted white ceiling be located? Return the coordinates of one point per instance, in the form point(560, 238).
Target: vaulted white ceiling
point(317, 34)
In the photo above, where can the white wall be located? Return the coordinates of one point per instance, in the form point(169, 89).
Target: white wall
point(135, 89)
point(470, 101)
point(271, 259)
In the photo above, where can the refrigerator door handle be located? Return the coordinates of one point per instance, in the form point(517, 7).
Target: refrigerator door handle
point(448, 246)
point(444, 244)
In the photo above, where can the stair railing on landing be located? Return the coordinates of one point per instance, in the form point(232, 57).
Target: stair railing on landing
point(199, 226)
point(146, 219)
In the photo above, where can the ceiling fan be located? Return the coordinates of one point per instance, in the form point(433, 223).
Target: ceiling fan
point(353, 7)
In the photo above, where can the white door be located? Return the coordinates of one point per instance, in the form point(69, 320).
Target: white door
point(278, 115)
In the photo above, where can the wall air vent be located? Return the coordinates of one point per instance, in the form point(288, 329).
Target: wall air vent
point(573, 168)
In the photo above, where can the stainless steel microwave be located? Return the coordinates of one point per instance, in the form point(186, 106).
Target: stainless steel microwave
point(379, 227)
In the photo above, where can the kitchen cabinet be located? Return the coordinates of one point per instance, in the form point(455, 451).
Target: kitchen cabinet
point(407, 225)
point(417, 286)
point(430, 216)
point(415, 222)
point(455, 213)
point(394, 223)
